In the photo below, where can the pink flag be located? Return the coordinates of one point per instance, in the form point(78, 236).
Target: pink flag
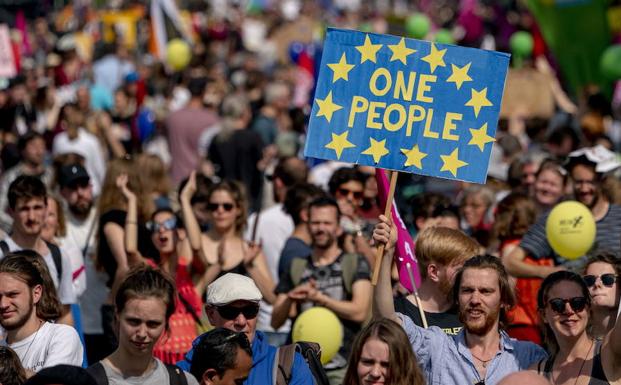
point(404, 252)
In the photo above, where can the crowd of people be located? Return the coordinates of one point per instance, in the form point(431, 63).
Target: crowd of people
point(162, 225)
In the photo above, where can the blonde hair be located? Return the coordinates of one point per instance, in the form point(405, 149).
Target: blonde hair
point(444, 246)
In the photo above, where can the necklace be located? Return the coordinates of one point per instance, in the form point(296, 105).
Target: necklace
point(483, 362)
point(581, 366)
point(31, 342)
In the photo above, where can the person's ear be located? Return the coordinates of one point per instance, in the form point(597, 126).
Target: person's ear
point(420, 223)
point(210, 376)
point(433, 272)
point(211, 316)
point(304, 215)
point(37, 291)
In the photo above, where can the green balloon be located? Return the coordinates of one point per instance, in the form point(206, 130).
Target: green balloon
point(417, 25)
point(444, 36)
point(610, 63)
point(521, 44)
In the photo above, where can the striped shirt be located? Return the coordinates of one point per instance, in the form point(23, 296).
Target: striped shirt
point(607, 238)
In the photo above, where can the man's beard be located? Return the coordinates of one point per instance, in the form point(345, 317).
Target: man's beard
point(81, 210)
point(16, 324)
point(479, 328)
point(325, 245)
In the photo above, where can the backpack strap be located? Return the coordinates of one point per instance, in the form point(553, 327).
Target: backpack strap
point(57, 258)
point(98, 373)
point(284, 359)
point(298, 265)
point(349, 266)
point(176, 375)
point(4, 247)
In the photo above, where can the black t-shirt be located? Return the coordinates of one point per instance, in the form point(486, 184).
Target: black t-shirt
point(447, 321)
point(235, 156)
point(104, 254)
point(329, 280)
point(294, 248)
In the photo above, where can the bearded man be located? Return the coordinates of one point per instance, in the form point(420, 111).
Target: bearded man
point(440, 253)
point(482, 353)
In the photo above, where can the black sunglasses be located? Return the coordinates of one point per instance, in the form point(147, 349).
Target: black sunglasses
point(169, 224)
point(345, 192)
point(215, 206)
point(576, 303)
point(607, 279)
point(231, 312)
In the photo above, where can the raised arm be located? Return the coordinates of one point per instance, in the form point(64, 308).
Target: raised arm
point(189, 219)
point(383, 303)
point(515, 265)
point(131, 222)
point(256, 265)
point(612, 342)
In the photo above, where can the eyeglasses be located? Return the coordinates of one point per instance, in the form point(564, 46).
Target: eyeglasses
point(231, 312)
point(607, 279)
point(214, 206)
point(346, 192)
point(577, 304)
point(169, 224)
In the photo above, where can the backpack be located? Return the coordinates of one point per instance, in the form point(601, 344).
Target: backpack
point(56, 256)
point(175, 374)
point(349, 265)
point(283, 366)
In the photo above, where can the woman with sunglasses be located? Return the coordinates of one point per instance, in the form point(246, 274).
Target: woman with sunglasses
point(176, 256)
point(226, 250)
point(574, 357)
point(601, 275)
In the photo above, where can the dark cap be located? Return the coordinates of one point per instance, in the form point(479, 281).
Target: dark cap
point(70, 174)
point(62, 374)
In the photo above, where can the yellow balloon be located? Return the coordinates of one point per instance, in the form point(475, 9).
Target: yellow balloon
point(178, 54)
point(322, 326)
point(570, 229)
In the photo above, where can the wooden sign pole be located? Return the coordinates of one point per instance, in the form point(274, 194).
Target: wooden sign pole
point(388, 213)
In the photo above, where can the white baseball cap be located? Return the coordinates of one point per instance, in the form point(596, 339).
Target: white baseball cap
point(232, 287)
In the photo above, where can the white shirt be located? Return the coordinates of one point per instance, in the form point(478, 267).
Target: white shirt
point(52, 344)
point(66, 295)
point(275, 227)
point(86, 145)
point(158, 375)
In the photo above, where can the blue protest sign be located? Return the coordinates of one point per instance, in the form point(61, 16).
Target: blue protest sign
point(406, 105)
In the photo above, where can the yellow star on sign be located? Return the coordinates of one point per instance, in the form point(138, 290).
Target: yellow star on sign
point(459, 75)
point(368, 50)
point(451, 162)
point(339, 143)
point(435, 57)
point(376, 150)
point(400, 51)
point(327, 107)
point(480, 137)
point(341, 69)
point(414, 157)
point(478, 100)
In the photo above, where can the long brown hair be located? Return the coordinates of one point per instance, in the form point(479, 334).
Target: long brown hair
point(514, 215)
point(153, 174)
point(29, 267)
point(111, 196)
point(402, 366)
point(11, 370)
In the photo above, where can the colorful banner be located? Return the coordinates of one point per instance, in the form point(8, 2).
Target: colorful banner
point(404, 251)
point(406, 105)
